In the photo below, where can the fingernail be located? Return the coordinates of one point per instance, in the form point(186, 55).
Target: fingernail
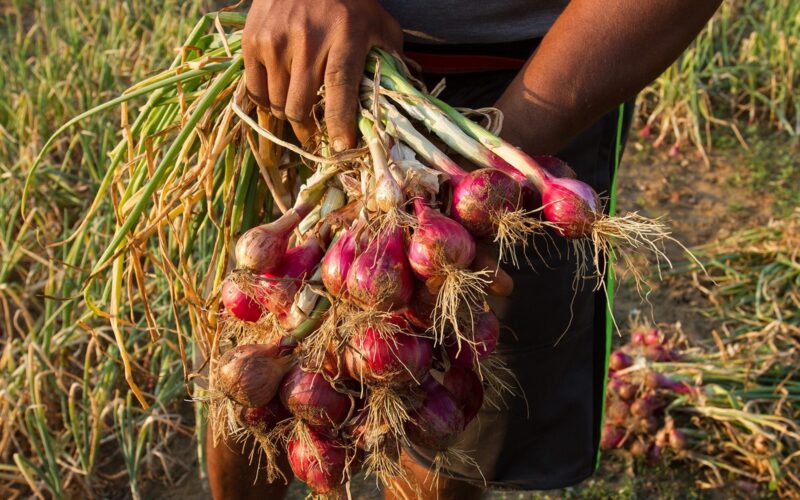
point(339, 145)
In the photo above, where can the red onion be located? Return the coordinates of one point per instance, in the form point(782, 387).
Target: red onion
point(639, 448)
point(251, 374)
point(388, 358)
point(481, 196)
point(618, 412)
point(261, 248)
point(677, 440)
point(657, 353)
point(554, 166)
point(622, 388)
point(619, 361)
point(337, 262)
point(380, 277)
point(264, 418)
point(644, 406)
point(652, 337)
point(313, 399)
point(656, 380)
point(239, 303)
point(486, 332)
point(465, 385)
point(317, 460)
point(570, 204)
point(421, 307)
point(278, 288)
point(437, 422)
point(637, 338)
point(438, 242)
point(612, 437)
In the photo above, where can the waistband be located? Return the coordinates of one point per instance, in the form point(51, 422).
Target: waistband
point(471, 58)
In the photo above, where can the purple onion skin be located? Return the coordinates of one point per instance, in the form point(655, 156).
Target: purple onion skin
point(437, 243)
point(421, 307)
point(554, 166)
point(319, 463)
point(612, 437)
point(480, 196)
point(264, 418)
point(438, 421)
point(572, 205)
point(465, 385)
point(486, 333)
point(380, 277)
point(312, 399)
point(390, 359)
point(337, 262)
point(619, 361)
point(278, 288)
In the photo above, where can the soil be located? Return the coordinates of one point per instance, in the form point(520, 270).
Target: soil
point(701, 202)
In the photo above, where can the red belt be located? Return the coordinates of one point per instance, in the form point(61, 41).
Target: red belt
point(449, 64)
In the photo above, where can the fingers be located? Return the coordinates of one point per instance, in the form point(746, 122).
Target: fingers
point(277, 83)
point(342, 79)
point(304, 82)
point(501, 284)
point(256, 80)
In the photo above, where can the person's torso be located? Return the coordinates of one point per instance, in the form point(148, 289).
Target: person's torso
point(465, 21)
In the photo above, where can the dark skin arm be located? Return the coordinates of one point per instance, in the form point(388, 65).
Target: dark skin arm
point(596, 55)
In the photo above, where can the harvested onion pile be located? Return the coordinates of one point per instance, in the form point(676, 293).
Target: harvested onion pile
point(353, 324)
point(730, 408)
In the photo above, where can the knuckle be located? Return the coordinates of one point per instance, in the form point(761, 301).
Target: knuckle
point(296, 112)
point(339, 75)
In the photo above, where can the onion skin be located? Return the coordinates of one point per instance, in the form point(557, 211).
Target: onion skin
point(421, 307)
point(652, 337)
point(618, 412)
point(380, 277)
point(264, 418)
point(278, 288)
point(612, 437)
point(465, 385)
point(480, 197)
point(486, 332)
point(239, 303)
point(312, 399)
point(251, 374)
point(388, 359)
point(318, 462)
point(677, 440)
point(261, 248)
point(337, 263)
point(618, 360)
point(637, 338)
point(437, 422)
point(438, 242)
point(573, 206)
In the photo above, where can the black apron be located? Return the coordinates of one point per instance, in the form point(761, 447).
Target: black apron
point(554, 339)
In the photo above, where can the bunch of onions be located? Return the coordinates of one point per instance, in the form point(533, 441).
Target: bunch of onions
point(311, 398)
point(438, 421)
point(317, 459)
point(388, 358)
point(380, 277)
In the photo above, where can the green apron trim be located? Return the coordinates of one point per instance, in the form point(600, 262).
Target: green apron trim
point(610, 278)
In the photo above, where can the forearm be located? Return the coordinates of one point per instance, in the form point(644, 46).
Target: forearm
point(596, 55)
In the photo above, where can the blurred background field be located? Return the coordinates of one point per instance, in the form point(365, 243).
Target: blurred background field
point(714, 148)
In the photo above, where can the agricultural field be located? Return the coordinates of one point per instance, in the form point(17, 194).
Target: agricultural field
point(713, 149)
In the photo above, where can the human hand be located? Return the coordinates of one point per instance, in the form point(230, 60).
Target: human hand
point(501, 284)
point(292, 47)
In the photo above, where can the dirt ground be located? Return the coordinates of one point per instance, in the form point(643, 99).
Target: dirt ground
point(703, 203)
